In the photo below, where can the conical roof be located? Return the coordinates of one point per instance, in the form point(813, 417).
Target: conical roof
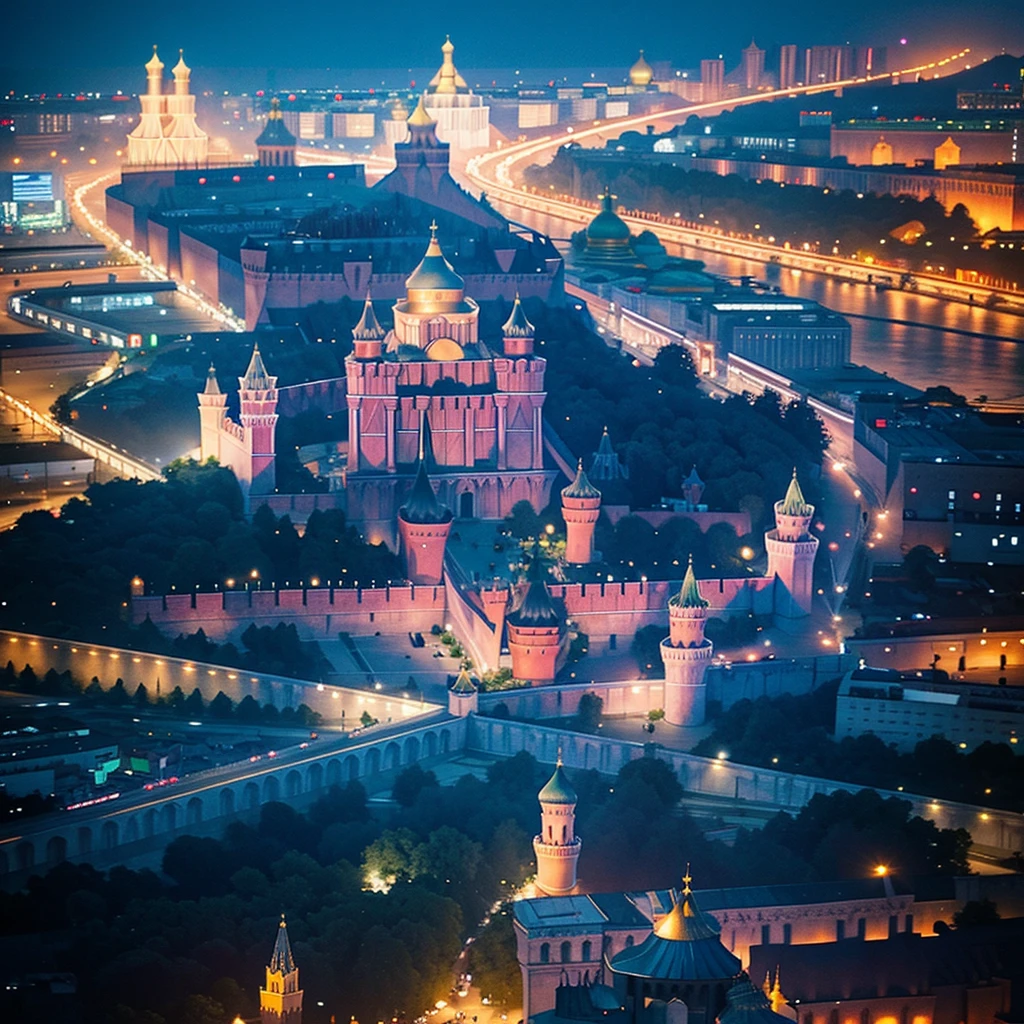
point(693, 479)
point(274, 131)
point(558, 789)
point(422, 506)
point(368, 328)
point(154, 64)
point(281, 960)
point(581, 487)
point(536, 608)
point(419, 118)
point(463, 683)
point(689, 595)
point(793, 504)
point(685, 946)
point(434, 272)
point(181, 69)
point(517, 326)
point(212, 387)
point(256, 377)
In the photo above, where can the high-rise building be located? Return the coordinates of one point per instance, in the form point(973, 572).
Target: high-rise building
point(167, 134)
point(788, 54)
point(753, 67)
point(712, 79)
point(281, 999)
point(557, 847)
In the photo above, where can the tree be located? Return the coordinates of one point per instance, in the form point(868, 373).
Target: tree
point(646, 648)
point(588, 713)
point(493, 963)
point(523, 522)
point(221, 706)
point(653, 774)
point(410, 783)
point(975, 913)
point(193, 704)
point(390, 858)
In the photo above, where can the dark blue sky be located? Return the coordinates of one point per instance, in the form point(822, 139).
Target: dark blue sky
point(530, 33)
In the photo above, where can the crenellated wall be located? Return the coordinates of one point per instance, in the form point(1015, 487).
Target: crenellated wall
point(315, 612)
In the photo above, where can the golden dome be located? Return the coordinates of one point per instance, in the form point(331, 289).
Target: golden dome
point(154, 64)
point(181, 69)
point(447, 80)
point(641, 73)
point(419, 117)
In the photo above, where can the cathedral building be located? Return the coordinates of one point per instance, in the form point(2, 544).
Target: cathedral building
point(462, 119)
point(167, 134)
point(482, 409)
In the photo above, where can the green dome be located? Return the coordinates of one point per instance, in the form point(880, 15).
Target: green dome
point(607, 227)
point(557, 790)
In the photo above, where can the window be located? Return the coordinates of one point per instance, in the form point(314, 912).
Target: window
point(585, 955)
point(766, 934)
point(787, 934)
point(566, 952)
point(862, 927)
point(545, 952)
point(840, 931)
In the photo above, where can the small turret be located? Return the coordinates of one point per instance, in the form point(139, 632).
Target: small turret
point(581, 506)
point(213, 406)
point(368, 335)
point(275, 145)
point(686, 654)
point(535, 630)
point(517, 332)
point(154, 74)
point(791, 552)
point(423, 525)
point(182, 73)
point(462, 695)
point(557, 847)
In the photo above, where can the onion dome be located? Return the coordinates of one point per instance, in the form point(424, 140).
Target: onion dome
point(581, 487)
point(684, 946)
point(536, 608)
point(368, 328)
point(747, 1004)
point(281, 960)
point(422, 506)
point(274, 132)
point(154, 65)
point(793, 504)
point(463, 683)
point(607, 228)
point(256, 377)
point(434, 286)
point(517, 326)
point(181, 69)
point(558, 789)
point(212, 387)
point(689, 595)
point(419, 117)
point(641, 73)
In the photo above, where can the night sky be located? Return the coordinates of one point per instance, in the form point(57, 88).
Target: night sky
point(529, 34)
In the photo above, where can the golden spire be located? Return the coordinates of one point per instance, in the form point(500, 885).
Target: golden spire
point(181, 69)
point(687, 878)
point(419, 117)
point(154, 64)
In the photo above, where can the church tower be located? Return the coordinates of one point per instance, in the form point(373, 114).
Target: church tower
point(534, 631)
point(791, 553)
point(686, 654)
point(281, 999)
point(213, 407)
point(257, 403)
point(423, 526)
point(581, 505)
point(557, 847)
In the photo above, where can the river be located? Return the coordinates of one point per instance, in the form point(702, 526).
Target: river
point(919, 340)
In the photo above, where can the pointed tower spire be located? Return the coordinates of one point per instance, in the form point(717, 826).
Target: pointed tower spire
point(368, 335)
point(689, 595)
point(793, 504)
point(281, 998)
point(212, 387)
point(256, 377)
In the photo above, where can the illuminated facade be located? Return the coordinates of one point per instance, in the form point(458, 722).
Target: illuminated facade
point(167, 134)
point(281, 998)
point(556, 846)
point(686, 654)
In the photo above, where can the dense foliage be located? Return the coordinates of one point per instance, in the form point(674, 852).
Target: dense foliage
point(69, 574)
point(147, 954)
point(793, 733)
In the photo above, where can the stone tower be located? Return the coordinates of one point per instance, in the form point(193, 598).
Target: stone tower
point(557, 847)
point(686, 654)
point(517, 332)
point(281, 999)
point(213, 407)
point(257, 404)
point(534, 631)
point(462, 695)
point(423, 527)
point(368, 335)
point(791, 553)
point(581, 505)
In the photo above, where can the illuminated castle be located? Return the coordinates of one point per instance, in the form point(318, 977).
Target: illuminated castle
point(167, 134)
point(432, 372)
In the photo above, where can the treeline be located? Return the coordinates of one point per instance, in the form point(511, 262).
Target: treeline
point(148, 954)
point(794, 734)
point(69, 574)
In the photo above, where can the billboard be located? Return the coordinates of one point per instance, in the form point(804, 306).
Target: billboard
point(32, 187)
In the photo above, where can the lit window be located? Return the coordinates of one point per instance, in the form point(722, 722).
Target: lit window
point(951, 495)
